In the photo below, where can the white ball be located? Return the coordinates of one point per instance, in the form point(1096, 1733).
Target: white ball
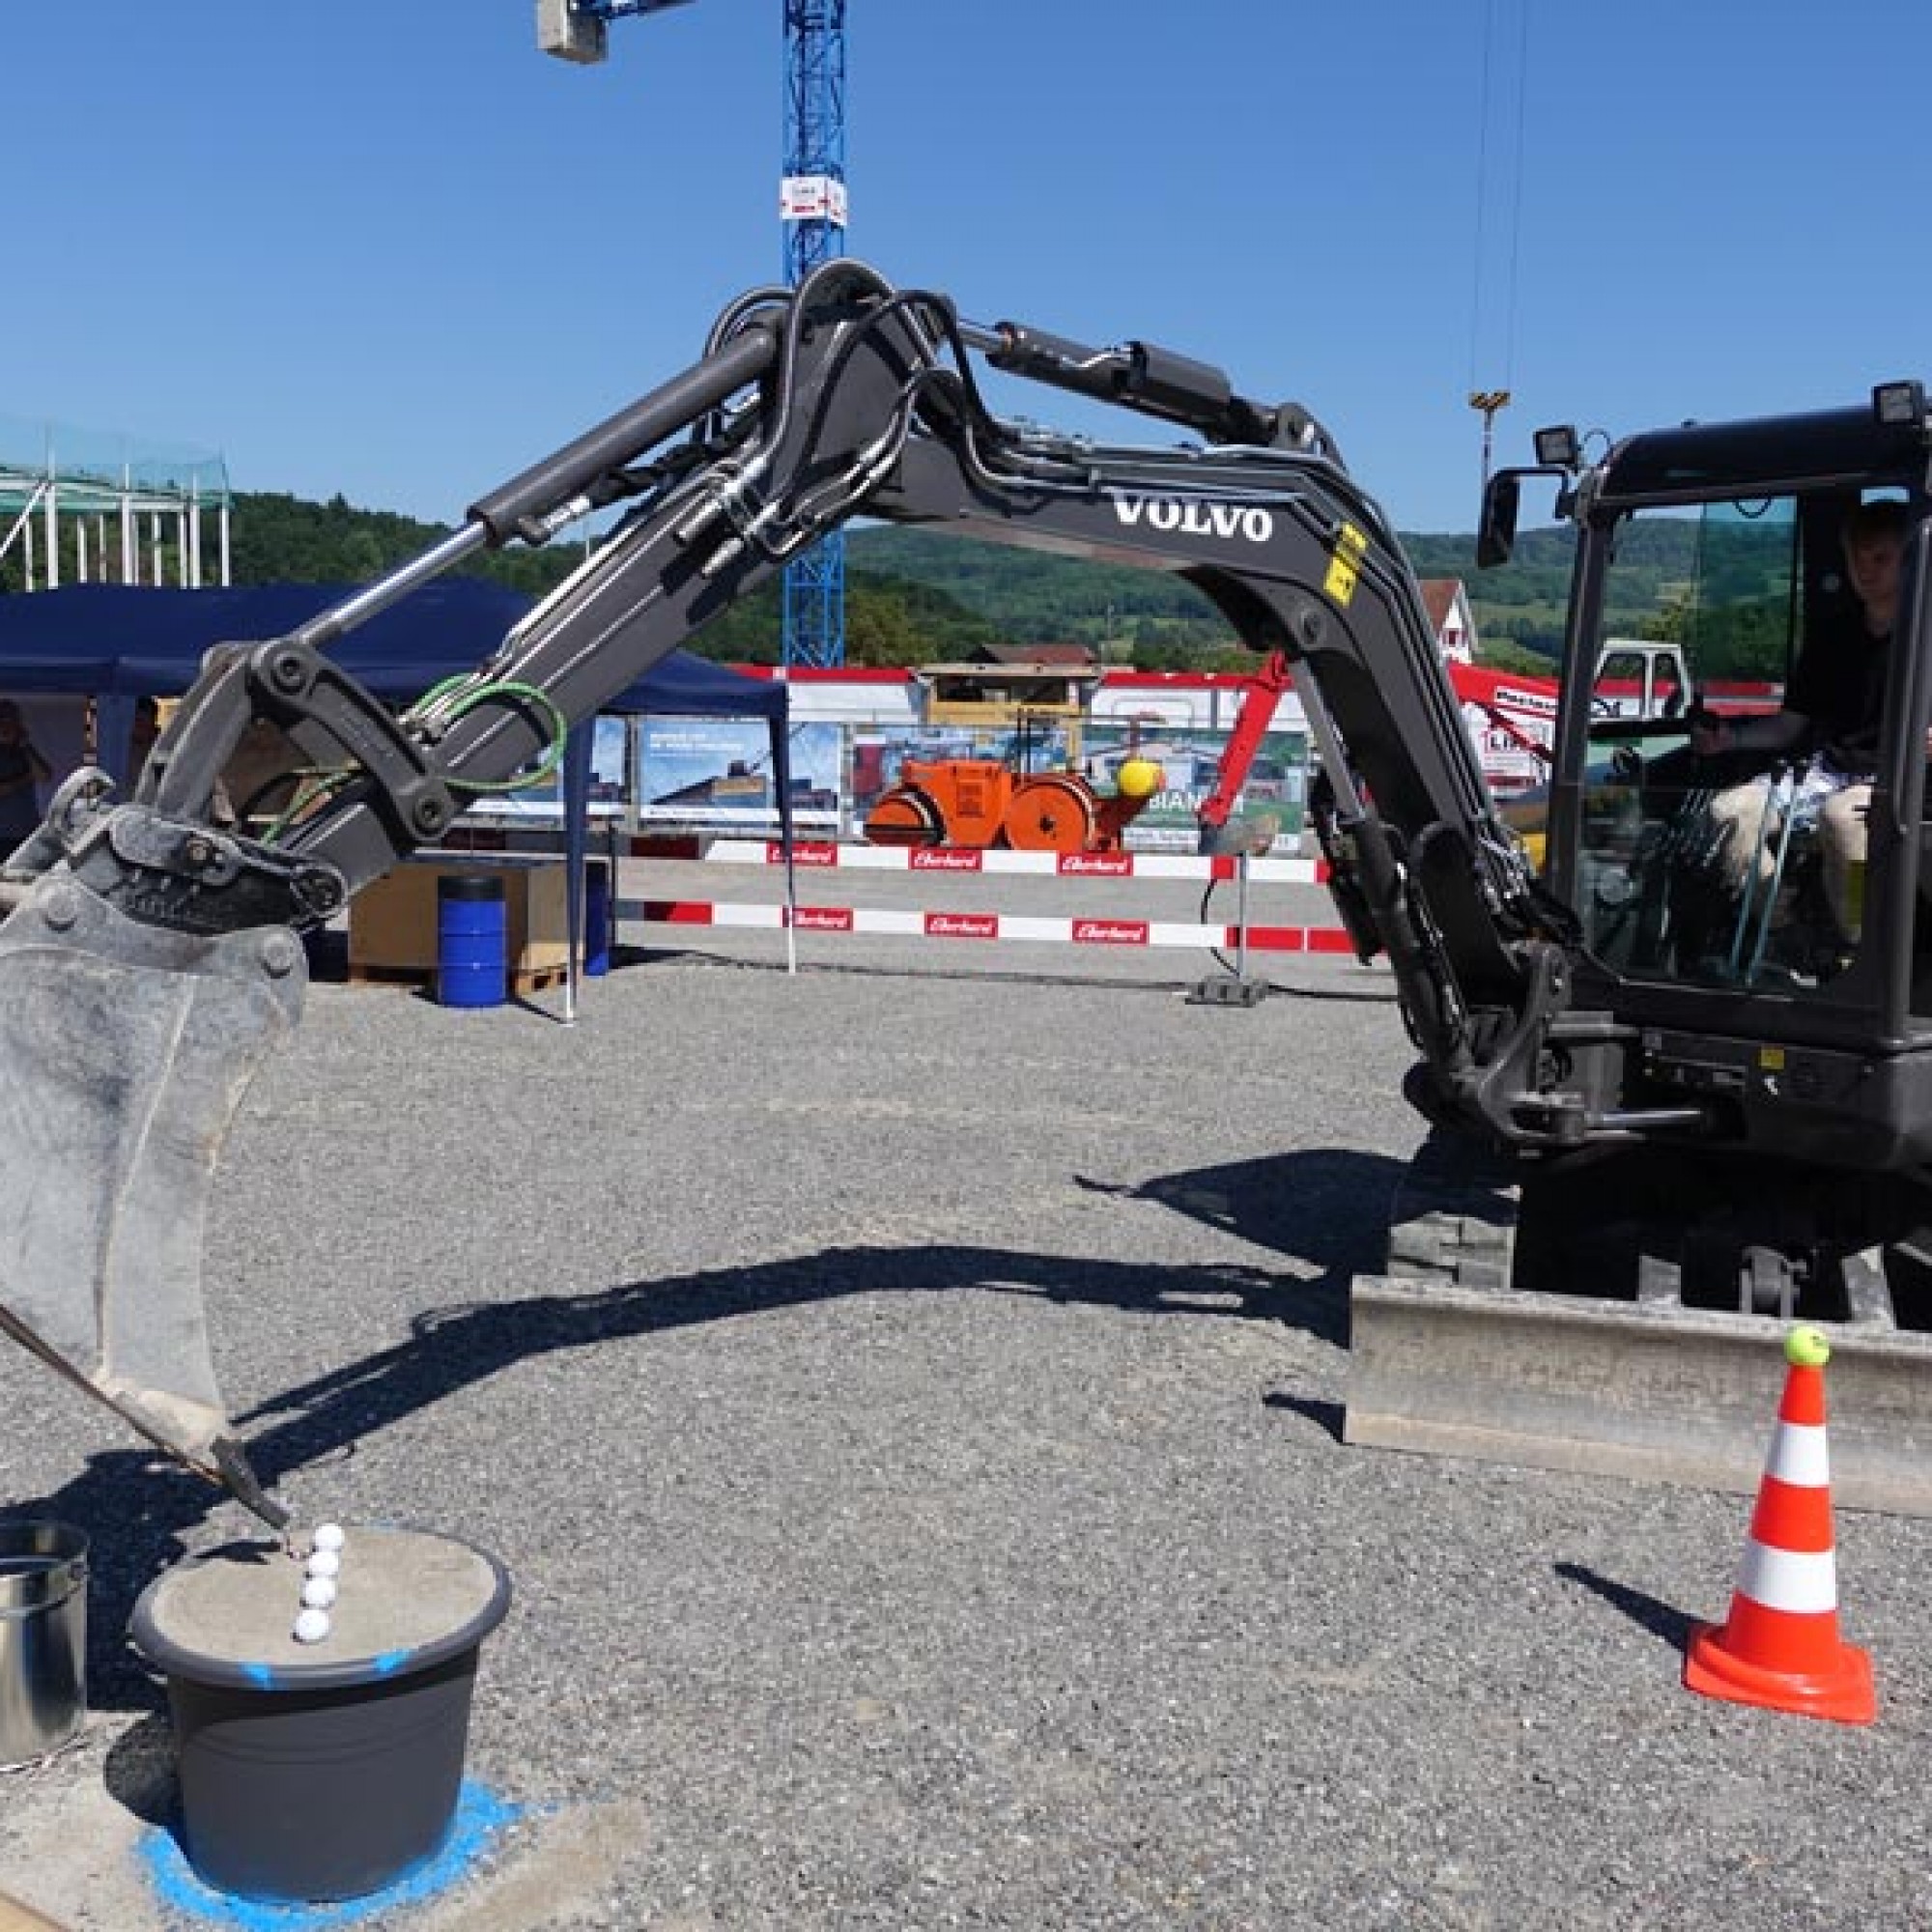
point(328, 1536)
point(319, 1592)
point(324, 1562)
point(311, 1625)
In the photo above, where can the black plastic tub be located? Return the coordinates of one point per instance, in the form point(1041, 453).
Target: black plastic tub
point(325, 1771)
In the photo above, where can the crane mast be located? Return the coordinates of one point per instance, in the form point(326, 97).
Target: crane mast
point(812, 206)
point(811, 209)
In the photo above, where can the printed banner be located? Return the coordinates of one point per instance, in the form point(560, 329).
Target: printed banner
point(543, 803)
point(716, 774)
point(1273, 801)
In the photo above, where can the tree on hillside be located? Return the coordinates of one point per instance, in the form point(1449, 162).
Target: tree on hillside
point(1519, 660)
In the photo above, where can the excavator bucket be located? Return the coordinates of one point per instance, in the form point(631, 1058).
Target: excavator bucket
point(124, 1051)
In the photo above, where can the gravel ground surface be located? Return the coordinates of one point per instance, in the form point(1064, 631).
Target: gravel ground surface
point(906, 1395)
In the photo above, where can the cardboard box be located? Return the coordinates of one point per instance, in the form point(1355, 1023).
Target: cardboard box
point(392, 923)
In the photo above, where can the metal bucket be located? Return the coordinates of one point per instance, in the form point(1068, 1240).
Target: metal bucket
point(43, 1637)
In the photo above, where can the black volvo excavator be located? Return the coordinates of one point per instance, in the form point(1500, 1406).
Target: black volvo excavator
point(1722, 1118)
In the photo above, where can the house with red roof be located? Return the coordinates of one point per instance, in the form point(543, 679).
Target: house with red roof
point(1447, 603)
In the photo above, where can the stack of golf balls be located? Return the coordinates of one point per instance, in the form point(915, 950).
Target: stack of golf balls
point(318, 1590)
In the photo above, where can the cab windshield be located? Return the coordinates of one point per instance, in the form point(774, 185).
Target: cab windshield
point(1701, 857)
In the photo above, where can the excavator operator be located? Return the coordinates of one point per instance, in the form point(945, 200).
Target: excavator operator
point(1826, 734)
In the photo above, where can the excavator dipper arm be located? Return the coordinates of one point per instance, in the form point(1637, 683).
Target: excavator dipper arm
point(152, 960)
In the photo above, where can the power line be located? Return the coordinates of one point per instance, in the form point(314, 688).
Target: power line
point(1501, 118)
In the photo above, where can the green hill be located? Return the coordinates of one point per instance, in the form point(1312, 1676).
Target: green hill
point(915, 596)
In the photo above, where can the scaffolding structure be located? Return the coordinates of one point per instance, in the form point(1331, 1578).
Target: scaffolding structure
point(92, 507)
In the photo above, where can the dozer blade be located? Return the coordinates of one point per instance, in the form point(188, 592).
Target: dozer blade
point(125, 1050)
point(1654, 1390)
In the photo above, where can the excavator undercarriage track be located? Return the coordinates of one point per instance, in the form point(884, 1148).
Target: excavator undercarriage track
point(1601, 1320)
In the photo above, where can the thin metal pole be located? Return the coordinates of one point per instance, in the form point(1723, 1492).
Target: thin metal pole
point(1241, 916)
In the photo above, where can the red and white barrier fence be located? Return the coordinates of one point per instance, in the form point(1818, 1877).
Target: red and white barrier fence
point(986, 926)
point(1000, 927)
point(825, 855)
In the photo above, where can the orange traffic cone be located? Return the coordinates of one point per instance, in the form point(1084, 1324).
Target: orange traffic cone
point(1779, 1647)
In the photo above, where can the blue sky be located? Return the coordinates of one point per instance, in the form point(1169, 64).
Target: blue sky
point(385, 247)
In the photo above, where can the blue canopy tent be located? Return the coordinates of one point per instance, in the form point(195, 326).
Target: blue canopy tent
point(115, 644)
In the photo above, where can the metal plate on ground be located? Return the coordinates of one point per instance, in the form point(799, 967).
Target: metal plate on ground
point(1667, 1394)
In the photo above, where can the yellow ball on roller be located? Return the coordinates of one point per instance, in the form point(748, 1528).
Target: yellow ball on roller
point(1806, 1349)
point(1139, 777)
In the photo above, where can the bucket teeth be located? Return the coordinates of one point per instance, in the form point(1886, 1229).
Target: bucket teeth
point(231, 1460)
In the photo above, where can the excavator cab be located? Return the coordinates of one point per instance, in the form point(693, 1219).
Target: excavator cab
point(1764, 973)
point(1703, 873)
point(1695, 865)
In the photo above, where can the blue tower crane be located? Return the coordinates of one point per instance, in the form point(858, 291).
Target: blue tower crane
point(812, 208)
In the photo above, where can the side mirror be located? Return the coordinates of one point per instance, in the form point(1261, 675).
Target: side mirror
point(1495, 534)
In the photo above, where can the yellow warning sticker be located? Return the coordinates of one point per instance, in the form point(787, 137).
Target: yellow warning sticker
point(1344, 564)
point(1770, 1059)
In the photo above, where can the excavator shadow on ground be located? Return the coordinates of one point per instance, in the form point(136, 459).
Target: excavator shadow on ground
point(142, 1509)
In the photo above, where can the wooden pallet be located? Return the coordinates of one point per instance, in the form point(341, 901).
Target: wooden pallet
point(15, 1915)
point(532, 979)
point(394, 921)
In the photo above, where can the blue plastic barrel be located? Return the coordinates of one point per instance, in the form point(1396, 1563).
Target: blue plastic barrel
point(471, 940)
point(596, 918)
